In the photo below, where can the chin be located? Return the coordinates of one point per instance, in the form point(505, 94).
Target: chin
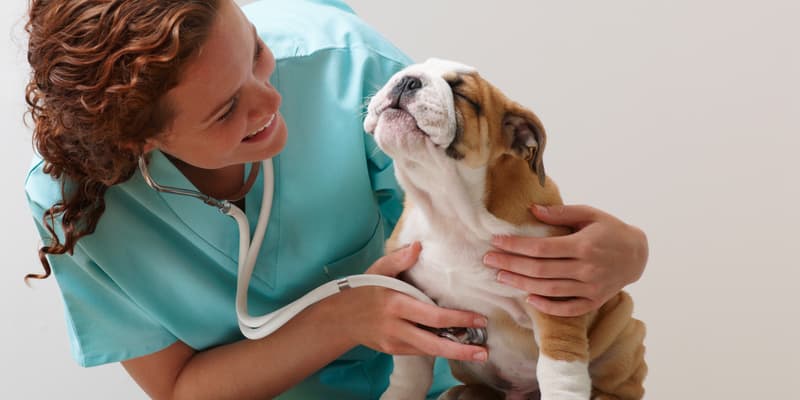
point(274, 144)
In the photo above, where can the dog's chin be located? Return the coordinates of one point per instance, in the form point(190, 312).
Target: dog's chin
point(398, 135)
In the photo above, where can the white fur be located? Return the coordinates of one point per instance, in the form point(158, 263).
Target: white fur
point(411, 378)
point(563, 380)
point(433, 106)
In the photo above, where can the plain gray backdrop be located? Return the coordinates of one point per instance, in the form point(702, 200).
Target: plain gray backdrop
point(678, 116)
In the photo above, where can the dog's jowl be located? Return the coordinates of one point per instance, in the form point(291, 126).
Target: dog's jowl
point(471, 163)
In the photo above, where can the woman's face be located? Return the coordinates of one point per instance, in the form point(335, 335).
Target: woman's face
point(226, 112)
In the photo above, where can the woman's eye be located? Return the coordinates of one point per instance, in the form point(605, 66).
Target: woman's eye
point(230, 110)
point(256, 56)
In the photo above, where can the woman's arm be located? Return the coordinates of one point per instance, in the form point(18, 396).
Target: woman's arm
point(379, 318)
point(245, 369)
point(602, 256)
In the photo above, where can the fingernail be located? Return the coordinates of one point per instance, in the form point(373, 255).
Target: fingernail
point(502, 277)
point(532, 301)
point(481, 322)
point(490, 259)
point(540, 209)
point(480, 356)
point(497, 240)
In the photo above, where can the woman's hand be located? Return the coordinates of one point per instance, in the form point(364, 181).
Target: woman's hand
point(385, 320)
point(573, 274)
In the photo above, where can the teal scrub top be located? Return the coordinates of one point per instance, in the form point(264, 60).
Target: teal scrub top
point(162, 267)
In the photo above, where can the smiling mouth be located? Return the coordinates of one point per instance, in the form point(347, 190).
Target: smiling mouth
point(267, 125)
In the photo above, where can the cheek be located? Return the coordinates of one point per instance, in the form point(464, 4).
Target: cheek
point(214, 145)
point(233, 131)
point(264, 70)
point(475, 141)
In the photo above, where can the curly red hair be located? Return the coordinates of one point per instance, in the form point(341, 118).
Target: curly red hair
point(100, 70)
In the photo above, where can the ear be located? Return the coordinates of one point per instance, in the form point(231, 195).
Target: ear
point(526, 136)
point(155, 142)
point(149, 145)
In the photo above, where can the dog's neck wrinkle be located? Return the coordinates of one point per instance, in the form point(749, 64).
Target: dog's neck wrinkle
point(457, 204)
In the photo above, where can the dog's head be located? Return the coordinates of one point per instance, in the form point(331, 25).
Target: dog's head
point(442, 112)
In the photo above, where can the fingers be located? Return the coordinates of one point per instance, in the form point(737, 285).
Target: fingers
point(391, 327)
point(543, 268)
point(548, 287)
point(417, 312)
point(397, 261)
point(542, 247)
point(560, 297)
point(438, 317)
point(428, 343)
point(566, 215)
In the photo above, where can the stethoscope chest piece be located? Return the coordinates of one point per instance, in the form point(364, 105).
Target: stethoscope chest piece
point(473, 336)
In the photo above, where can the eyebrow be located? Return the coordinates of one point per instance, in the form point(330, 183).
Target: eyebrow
point(230, 98)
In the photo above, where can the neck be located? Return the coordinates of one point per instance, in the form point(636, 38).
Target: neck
point(452, 200)
point(482, 202)
point(219, 183)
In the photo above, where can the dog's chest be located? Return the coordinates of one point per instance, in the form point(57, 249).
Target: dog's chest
point(450, 270)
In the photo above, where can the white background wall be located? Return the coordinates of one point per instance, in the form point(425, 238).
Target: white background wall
point(680, 117)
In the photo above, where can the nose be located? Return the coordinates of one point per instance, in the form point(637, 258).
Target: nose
point(407, 86)
point(266, 100)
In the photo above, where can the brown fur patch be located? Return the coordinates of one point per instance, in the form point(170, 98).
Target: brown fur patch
point(618, 366)
point(562, 338)
point(391, 243)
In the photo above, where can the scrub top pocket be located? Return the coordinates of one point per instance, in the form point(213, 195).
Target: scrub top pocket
point(358, 261)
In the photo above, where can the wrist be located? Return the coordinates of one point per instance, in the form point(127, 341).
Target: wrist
point(335, 316)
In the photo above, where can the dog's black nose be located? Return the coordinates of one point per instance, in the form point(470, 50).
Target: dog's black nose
point(405, 87)
point(410, 83)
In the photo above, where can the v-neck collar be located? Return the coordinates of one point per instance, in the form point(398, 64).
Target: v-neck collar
point(207, 222)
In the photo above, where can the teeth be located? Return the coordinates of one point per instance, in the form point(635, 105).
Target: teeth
point(271, 119)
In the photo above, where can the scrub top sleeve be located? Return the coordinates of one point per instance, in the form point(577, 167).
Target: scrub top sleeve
point(378, 70)
point(103, 323)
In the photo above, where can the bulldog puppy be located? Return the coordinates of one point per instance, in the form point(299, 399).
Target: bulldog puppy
point(470, 162)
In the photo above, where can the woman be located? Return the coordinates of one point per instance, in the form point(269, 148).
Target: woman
point(148, 279)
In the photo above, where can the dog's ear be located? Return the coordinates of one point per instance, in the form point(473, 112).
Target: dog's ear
point(526, 136)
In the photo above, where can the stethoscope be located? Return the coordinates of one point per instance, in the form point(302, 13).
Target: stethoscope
point(256, 327)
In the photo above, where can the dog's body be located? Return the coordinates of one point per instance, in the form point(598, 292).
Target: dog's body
point(470, 161)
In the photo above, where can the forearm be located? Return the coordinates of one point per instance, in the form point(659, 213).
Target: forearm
point(264, 368)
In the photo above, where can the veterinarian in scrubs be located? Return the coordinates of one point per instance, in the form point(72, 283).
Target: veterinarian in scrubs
point(148, 279)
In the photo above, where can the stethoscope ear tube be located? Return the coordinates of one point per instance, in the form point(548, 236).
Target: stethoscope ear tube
point(222, 205)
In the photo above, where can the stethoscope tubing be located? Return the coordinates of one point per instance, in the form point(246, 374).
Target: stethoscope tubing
point(257, 327)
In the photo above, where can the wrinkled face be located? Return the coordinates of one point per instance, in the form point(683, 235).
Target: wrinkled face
point(444, 112)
